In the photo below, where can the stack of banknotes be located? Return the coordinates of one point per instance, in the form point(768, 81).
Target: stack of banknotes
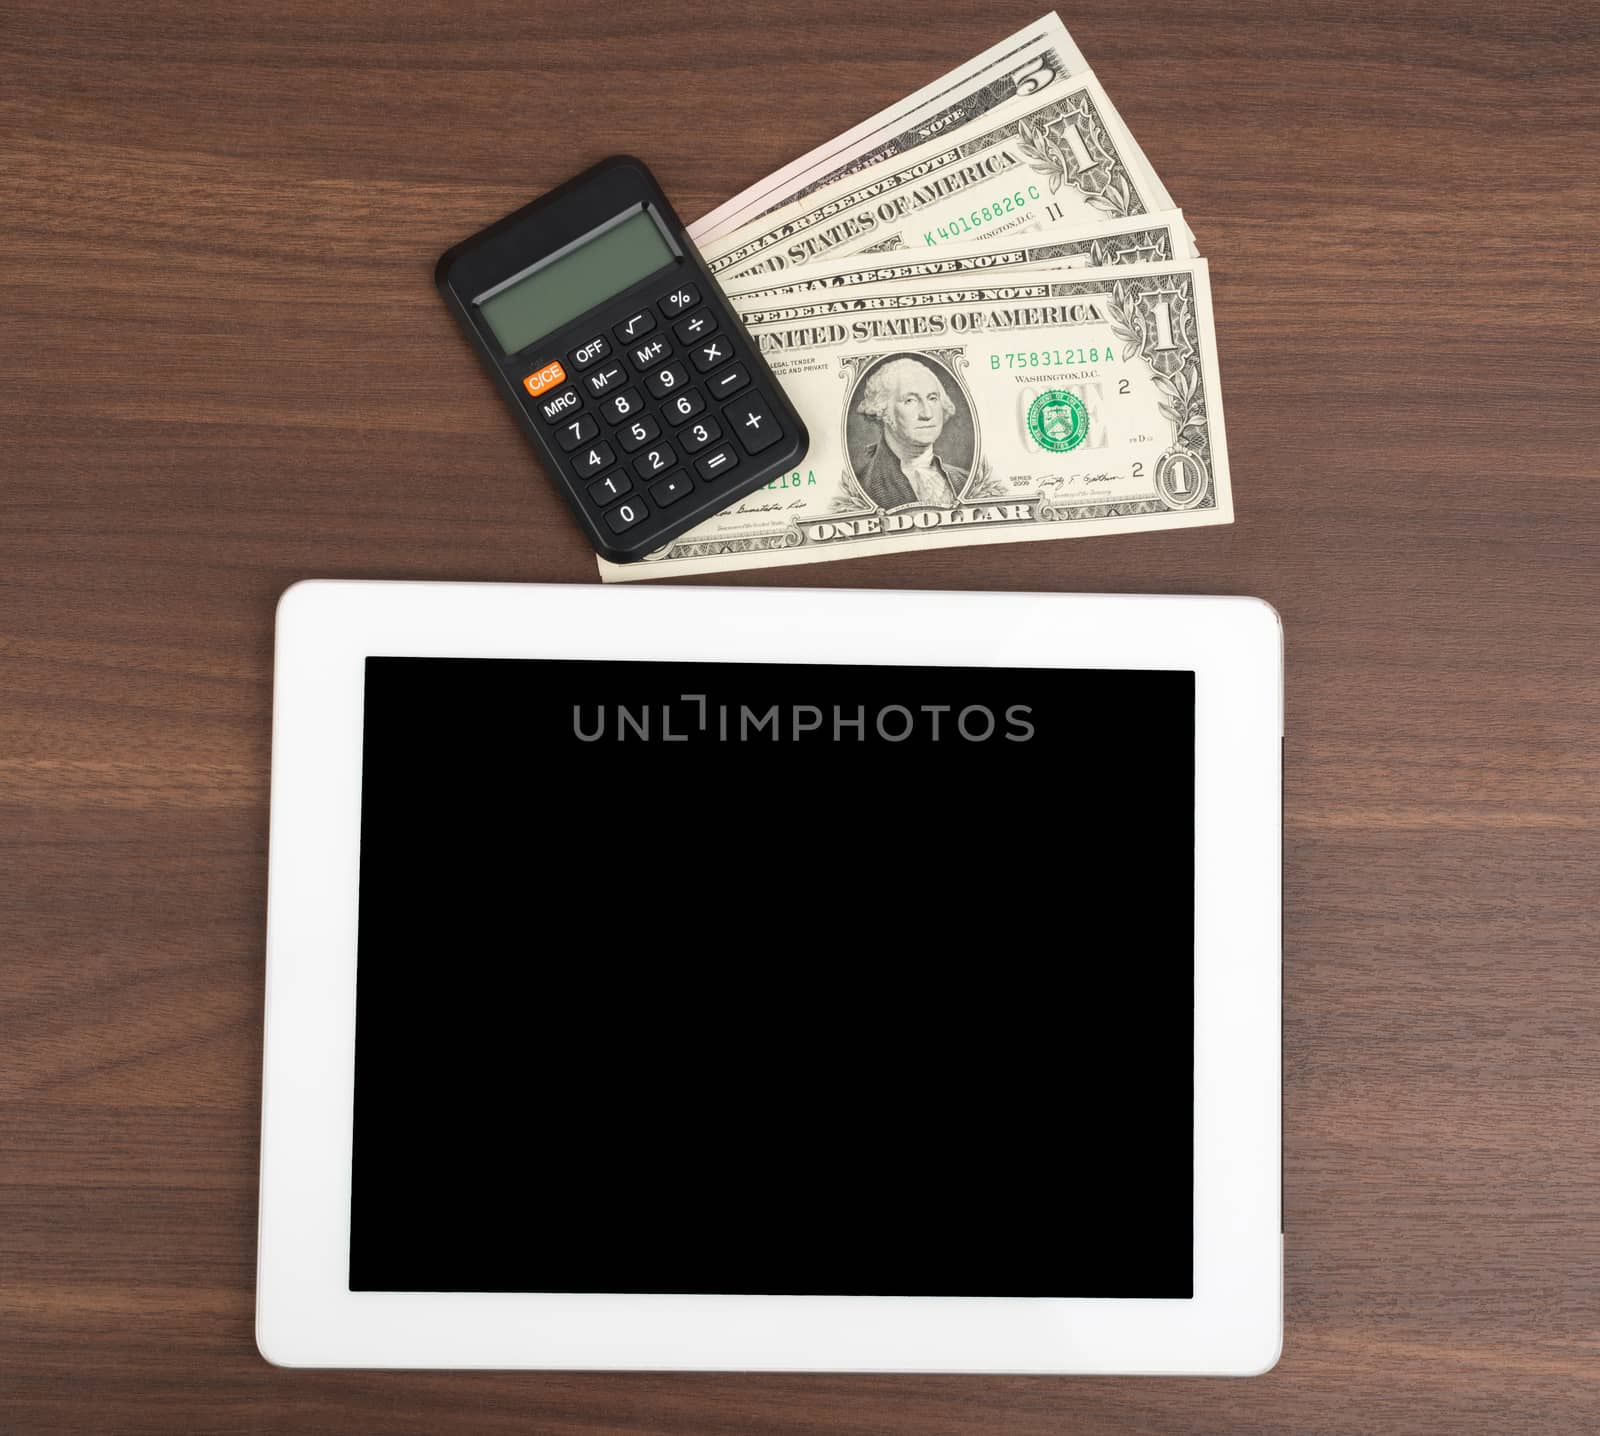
point(992, 318)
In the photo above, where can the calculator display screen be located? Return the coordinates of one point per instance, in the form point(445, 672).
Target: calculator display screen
point(558, 290)
point(770, 978)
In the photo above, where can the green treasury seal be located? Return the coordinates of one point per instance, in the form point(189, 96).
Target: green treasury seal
point(1058, 421)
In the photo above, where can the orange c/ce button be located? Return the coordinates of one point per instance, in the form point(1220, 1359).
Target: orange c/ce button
point(546, 378)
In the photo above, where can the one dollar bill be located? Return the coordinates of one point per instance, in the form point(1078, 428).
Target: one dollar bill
point(1042, 405)
point(1144, 240)
point(1062, 159)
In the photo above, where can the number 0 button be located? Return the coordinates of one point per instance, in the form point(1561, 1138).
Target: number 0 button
point(624, 516)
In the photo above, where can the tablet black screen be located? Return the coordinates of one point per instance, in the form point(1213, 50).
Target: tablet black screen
point(778, 979)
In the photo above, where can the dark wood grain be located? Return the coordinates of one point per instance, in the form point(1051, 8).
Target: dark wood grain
point(223, 368)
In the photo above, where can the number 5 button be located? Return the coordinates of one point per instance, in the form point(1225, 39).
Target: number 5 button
point(751, 420)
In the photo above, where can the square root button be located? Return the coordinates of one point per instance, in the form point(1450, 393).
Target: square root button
point(752, 421)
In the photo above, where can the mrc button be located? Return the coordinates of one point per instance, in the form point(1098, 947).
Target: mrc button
point(546, 378)
point(558, 404)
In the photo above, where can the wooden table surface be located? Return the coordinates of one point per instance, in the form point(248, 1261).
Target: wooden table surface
point(224, 368)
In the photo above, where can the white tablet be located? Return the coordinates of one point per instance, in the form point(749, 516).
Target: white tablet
point(772, 979)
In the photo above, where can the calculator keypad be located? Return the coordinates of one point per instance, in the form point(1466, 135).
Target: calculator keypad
point(674, 378)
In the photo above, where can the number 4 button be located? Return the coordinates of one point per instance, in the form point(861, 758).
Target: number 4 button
point(753, 423)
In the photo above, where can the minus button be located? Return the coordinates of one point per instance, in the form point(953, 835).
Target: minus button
point(730, 381)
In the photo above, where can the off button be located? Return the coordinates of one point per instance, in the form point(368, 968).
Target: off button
point(546, 378)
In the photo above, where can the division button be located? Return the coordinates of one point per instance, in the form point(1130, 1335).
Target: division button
point(752, 421)
point(625, 515)
point(682, 296)
point(576, 431)
point(697, 326)
point(717, 463)
point(613, 486)
point(670, 489)
point(730, 381)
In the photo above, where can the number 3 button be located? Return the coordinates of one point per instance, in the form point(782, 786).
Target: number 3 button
point(697, 435)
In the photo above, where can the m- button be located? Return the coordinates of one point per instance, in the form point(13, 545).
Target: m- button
point(752, 421)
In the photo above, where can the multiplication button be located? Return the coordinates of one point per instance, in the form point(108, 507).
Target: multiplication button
point(752, 421)
point(711, 353)
point(730, 381)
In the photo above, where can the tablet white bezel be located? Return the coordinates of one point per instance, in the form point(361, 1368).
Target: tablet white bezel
point(305, 1313)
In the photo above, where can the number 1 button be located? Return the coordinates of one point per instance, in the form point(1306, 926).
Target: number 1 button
point(751, 421)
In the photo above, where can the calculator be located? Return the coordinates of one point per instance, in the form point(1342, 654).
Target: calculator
point(640, 389)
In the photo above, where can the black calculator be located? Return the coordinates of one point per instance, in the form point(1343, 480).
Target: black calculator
point(637, 384)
